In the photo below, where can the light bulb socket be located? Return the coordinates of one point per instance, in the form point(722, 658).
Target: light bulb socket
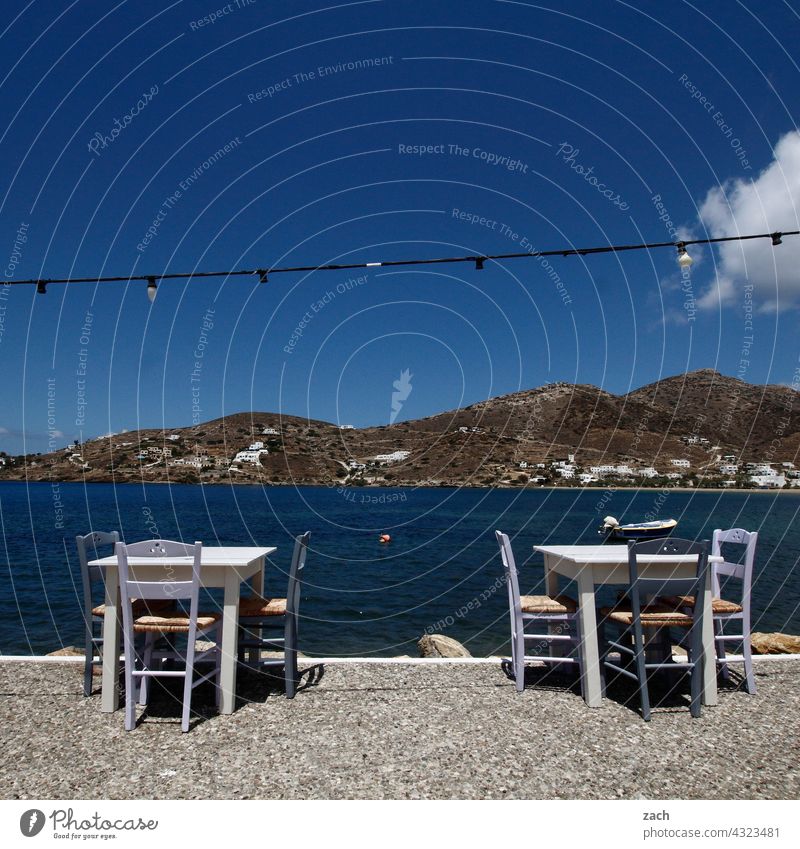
point(263, 276)
point(41, 288)
point(479, 263)
point(684, 260)
point(776, 239)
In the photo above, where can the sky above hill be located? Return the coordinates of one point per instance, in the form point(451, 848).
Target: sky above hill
point(159, 138)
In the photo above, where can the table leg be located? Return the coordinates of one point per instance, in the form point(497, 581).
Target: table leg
point(258, 578)
point(111, 634)
point(550, 577)
point(592, 690)
point(230, 633)
point(253, 654)
point(557, 648)
point(709, 648)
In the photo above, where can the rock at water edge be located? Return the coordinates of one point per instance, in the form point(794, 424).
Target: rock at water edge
point(776, 643)
point(437, 645)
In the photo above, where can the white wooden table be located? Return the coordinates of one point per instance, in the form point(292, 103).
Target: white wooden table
point(221, 566)
point(592, 565)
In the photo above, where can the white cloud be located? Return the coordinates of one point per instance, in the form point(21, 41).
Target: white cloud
point(765, 204)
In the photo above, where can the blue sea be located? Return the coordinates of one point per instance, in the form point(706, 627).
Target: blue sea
point(441, 571)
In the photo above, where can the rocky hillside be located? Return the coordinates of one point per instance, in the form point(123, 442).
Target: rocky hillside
point(700, 417)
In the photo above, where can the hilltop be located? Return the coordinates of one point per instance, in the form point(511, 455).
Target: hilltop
point(697, 418)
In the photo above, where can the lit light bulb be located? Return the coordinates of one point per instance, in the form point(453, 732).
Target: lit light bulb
point(152, 289)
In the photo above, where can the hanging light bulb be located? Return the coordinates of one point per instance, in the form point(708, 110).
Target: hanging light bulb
point(152, 289)
point(684, 260)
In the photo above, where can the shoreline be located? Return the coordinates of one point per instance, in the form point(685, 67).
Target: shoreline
point(412, 486)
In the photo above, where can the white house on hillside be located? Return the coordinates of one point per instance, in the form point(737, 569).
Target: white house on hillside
point(253, 457)
point(394, 457)
point(772, 481)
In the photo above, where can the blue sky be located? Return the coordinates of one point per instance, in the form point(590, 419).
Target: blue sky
point(144, 137)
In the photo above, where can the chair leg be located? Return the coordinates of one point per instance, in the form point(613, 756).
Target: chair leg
point(147, 659)
point(641, 673)
point(245, 656)
point(130, 696)
point(290, 658)
point(239, 647)
point(697, 689)
point(719, 648)
point(89, 662)
point(698, 659)
point(519, 660)
point(187, 696)
point(579, 655)
point(747, 654)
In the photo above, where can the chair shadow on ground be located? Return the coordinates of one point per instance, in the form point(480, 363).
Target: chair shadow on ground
point(165, 701)
point(258, 685)
point(668, 693)
point(669, 690)
point(546, 677)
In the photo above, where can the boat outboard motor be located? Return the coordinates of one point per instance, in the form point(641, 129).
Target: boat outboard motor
point(609, 523)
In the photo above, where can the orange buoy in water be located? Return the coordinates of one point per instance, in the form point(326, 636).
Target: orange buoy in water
point(384, 538)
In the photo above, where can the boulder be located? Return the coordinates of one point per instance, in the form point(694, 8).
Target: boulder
point(67, 651)
point(776, 643)
point(437, 645)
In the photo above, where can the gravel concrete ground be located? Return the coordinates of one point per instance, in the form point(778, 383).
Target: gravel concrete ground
point(398, 732)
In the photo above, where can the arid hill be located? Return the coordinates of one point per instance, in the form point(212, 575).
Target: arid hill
point(701, 417)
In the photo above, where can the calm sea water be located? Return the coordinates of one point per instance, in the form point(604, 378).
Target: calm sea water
point(441, 570)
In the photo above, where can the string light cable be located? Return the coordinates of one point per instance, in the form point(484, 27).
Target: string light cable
point(684, 260)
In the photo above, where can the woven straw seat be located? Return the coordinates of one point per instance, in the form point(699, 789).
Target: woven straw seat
point(546, 604)
point(257, 606)
point(141, 607)
point(719, 606)
point(175, 623)
point(653, 616)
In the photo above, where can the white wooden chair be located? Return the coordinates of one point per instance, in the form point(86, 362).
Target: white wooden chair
point(93, 614)
point(632, 615)
point(196, 624)
point(725, 611)
point(560, 611)
point(258, 614)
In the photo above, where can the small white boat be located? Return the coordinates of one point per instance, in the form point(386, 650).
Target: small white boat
point(637, 530)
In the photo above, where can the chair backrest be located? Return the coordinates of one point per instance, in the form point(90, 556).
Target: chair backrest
point(87, 546)
point(694, 585)
point(296, 573)
point(744, 570)
point(510, 569)
point(166, 587)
